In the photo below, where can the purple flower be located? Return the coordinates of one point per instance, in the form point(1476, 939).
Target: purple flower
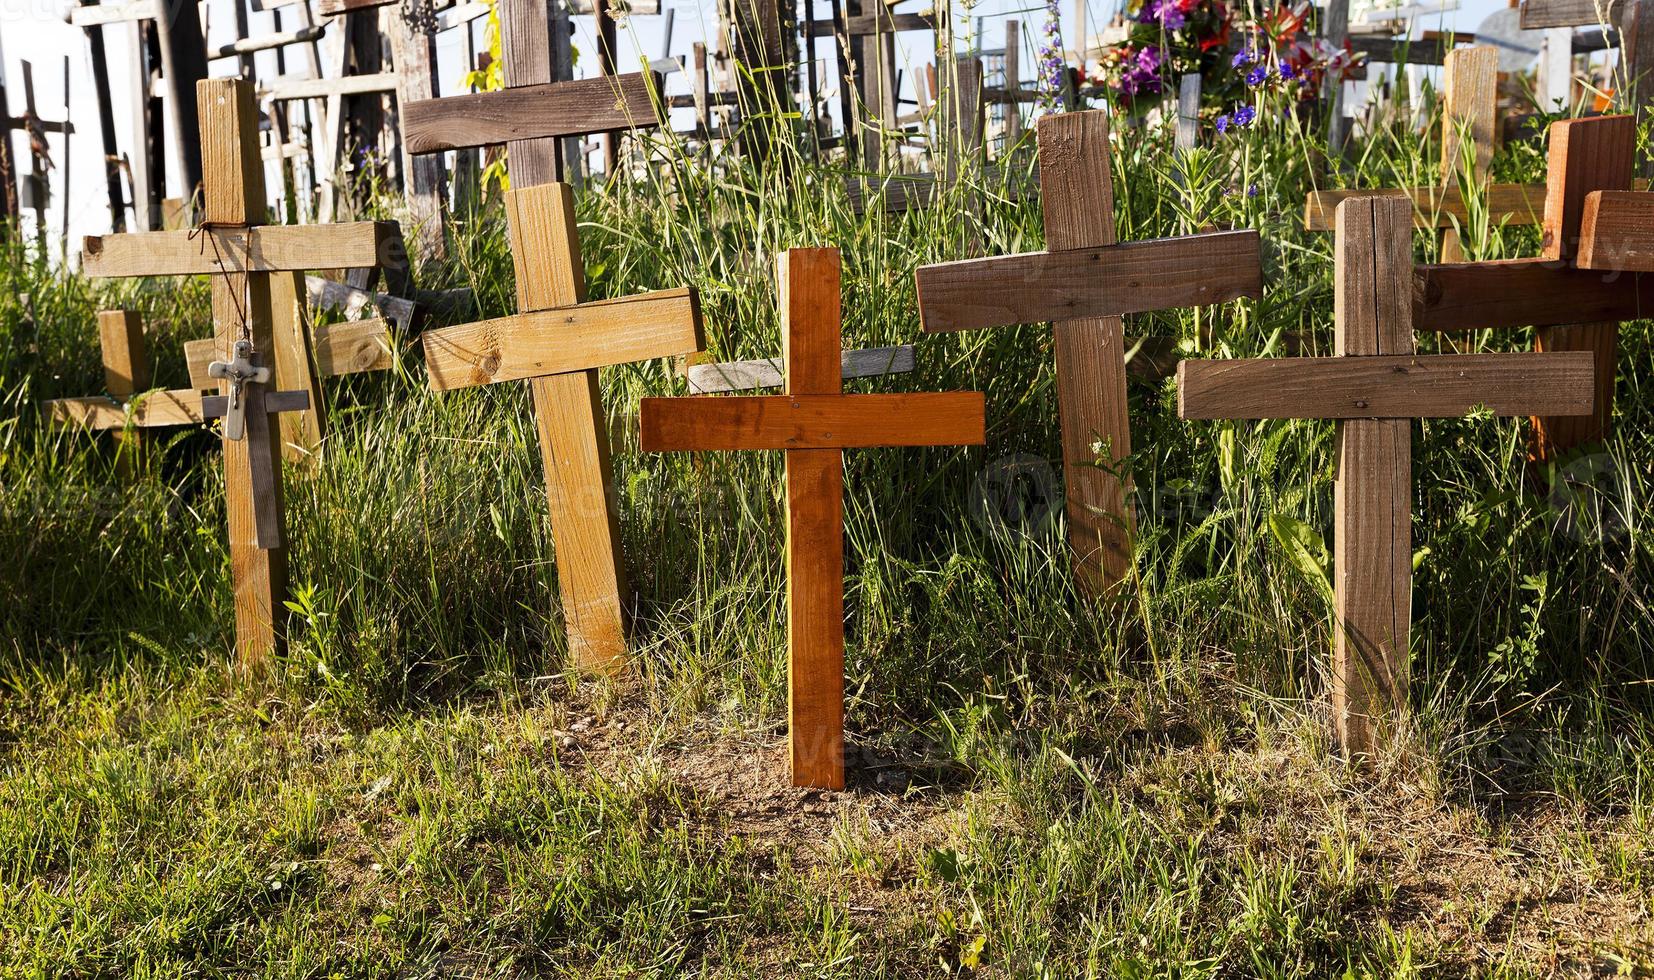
point(1288, 73)
point(1053, 68)
point(1251, 190)
point(1241, 59)
point(1257, 76)
point(1148, 59)
point(1222, 125)
point(1244, 115)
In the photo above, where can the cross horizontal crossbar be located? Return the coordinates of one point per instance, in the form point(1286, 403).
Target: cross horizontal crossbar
point(95, 15)
point(869, 24)
point(564, 339)
point(813, 421)
point(150, 410)
point(1436, 207)
point(321, 88)
point(766, 373)
point(257, 248)
point(1133, 277)
point(1523, 293)
point(1616, 232)
point(218, 406)
point(1537, 14)
point(586, 105)
point(1386, 386)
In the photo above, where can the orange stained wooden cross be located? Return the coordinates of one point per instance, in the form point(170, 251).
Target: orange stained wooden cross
point(1083, 285)
point(1374, 386)
point(1571, 307)
point(253, 265)
point(557, 341)
point(814, 422)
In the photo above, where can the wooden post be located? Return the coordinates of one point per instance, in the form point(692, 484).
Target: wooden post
point(1373, 386)
point(765, 97)
point(1088, 336)
point(126, 370)
point(1188, 112)
point(814, 423)
point(1469, 97)
point(1335, 29)
point(8, 169)
point(414, 52)
point(1013, 82)
point(1556, 62)
point(295, 368)
point(1586, 155)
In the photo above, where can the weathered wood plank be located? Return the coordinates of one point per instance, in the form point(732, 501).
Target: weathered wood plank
point(812, 421)
point(867, 24)
point(746, 375)
point(556, 341)
point(1131, 277)
point(1372, 524)
point(259, 248)
point(1523, 293)
point(1385, 386)
point(1469, 96)
point(280, 39)
point(1540, 14)
point(275, 402)
point(302, 430)
point(155, 409)
point(587, 105)
point(1436, 207)
point(1616, 232)
point(287, 90)
point(339, 348)
point(97, 15)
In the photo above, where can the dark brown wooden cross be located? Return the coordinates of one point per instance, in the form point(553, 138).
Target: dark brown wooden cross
point(251, 264)
point(1571, 309)
point(1083, 284)
point(555, 342)
point(1374, 386)
point(814, 422)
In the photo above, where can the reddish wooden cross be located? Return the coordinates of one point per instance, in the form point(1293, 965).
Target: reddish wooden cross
point(814, 422)
point(557, 341)
point(1083, 285)
point(252, 266)
point(1570, 308)
point(1374, 387)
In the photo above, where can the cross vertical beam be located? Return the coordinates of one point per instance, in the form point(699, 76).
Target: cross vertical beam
point(295, 367)
point(235, 195)
point(1469, 95)
point(810, 306)
point(126, 369)
point(1372, 529)
point(1585, 155)
point(1078, 201)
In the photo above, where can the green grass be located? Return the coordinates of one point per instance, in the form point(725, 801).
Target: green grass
point(1040, 786)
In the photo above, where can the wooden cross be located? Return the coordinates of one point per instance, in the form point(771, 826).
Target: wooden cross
point(1083, 285)
point(557, 341)
point(1373, 387)
point(1571, 309)
point(253, 267)
point(814, 423)
point(1633, 21)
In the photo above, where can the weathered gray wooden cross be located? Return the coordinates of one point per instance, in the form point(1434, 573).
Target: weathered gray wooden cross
point(1374, 386)
point(814, 422)
point(250, 264)
point(557, 341)
point(1083, 284)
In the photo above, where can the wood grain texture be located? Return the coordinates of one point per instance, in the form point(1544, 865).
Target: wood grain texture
point(1469, 94)
point(574, 108)
point(126, 370)
point(275, 402)
point(425, 178)
point(1386, 386)
point(1586, 155)
point(338, 349)
point(746, 375)
point(574, 436)
point(148, 410)
point(268, 248)
point(1523, 293)
point(808, 289)
point(1132, 277)
point(865, 24)
point(1077, 200)
point(1372, 523)
point(290, 90)
point(812, 421)
point(234, 194)
point(1616, 232)
point(302, 431)
point(1436, 207)
point(571, 338)
point(1538, 14)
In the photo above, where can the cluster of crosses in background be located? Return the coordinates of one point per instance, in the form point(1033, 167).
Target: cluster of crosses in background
point(266, 362)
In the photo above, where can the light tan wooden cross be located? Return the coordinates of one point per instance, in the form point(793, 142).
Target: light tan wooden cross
point(1374, 386)
point(814, 423)
point(253, 266)
point(1563, 294)
point(557, 341)
point(1083, 285)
